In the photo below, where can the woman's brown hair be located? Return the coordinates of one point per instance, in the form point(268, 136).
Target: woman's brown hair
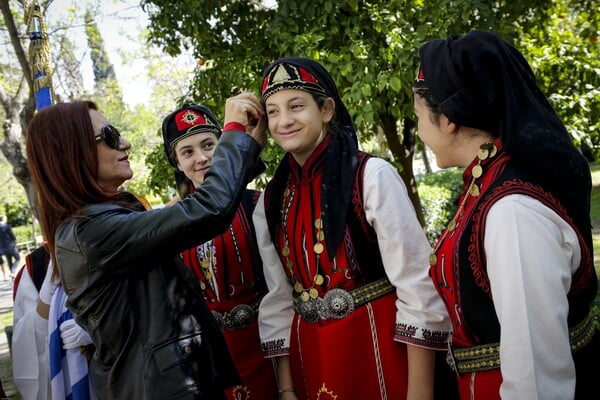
point(63, 162)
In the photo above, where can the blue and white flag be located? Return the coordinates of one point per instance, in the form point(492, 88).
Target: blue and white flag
point(68, 368)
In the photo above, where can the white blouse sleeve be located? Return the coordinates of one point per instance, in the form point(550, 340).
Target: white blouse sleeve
point(29, 343)
point(276, 308)
point(531, 254)
point(404, 249)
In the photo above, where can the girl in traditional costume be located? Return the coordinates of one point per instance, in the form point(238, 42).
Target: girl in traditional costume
point(515, 264)
point(228, 267)
point(351, 312)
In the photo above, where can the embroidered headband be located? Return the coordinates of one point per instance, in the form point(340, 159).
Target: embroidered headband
point(287, 76)
point(186, 121)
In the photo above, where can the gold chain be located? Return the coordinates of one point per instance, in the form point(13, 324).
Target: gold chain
point(486, 150)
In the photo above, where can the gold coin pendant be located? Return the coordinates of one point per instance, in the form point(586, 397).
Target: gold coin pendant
point(318, 248)
point(319, 279)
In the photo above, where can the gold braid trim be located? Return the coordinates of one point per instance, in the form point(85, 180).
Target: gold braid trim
point(582, 333)
point(371, 291)
point(487, 356)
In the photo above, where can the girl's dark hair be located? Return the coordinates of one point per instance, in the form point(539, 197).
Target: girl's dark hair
point(320, 99)
point(433, 106)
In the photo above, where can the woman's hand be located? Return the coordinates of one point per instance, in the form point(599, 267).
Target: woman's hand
point(247, 109)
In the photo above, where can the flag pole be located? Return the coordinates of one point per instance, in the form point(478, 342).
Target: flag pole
point(39, 56)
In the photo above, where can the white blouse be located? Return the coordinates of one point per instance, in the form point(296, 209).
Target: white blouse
point(403, 246)
point(531, 255)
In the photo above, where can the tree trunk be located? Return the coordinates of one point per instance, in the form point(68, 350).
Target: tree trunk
point(425, 158)
point(403, 151)
point(19, 110)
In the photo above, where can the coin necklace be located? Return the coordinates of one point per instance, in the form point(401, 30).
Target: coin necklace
point(305, 294)
point(486, 150)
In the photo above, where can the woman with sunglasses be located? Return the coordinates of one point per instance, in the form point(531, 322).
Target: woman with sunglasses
point(119, 264)
point(228, 266)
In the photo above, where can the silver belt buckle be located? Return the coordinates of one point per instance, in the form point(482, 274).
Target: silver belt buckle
point(240, 317)
point(335, 304)
point(309, 310)
point(339, 303)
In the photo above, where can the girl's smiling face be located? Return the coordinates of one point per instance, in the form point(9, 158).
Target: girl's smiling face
point(194, 155)
point(296, 122)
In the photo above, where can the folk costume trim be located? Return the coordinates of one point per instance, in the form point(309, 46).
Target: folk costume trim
point(288, 76)
point(209, 260)
point(486, 152)
point(190, 122)
point(518, 186)
point(487, 356)
point(500, 179)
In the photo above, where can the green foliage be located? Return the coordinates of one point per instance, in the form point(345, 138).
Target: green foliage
point(370, 49)
point(439, 193)
point(25, 233)
point(103, 68)
point(161, 179)
point(595, 198)
point(13, 203)
point(17, 213)
point(565, 55)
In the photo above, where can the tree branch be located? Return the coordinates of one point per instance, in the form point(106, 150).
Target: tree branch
point(16, 42)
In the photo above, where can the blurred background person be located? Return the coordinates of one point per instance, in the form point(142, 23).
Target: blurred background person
point(8, 245)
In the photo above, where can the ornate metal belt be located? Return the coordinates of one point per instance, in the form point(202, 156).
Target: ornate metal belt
point(487, 356)
point(239, 317)
point(339, 303)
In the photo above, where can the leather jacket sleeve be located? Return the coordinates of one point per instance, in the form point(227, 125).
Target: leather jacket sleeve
point(117, 238)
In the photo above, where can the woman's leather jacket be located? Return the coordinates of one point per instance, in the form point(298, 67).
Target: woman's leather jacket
point(127, 286)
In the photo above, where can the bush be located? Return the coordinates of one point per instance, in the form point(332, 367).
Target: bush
point(23, 233)
point(439, 193)
point(17, 213)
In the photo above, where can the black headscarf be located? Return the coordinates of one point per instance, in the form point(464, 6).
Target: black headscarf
point(340, 159)
point(479, 81)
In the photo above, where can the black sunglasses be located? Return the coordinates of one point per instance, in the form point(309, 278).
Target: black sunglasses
point(110, 135)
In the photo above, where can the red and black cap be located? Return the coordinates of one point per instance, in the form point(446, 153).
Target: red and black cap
point(186, 121)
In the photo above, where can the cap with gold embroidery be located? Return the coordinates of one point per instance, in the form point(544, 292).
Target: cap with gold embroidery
point(186, 121)
point(288, 76)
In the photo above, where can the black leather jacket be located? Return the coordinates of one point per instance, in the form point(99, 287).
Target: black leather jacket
point(127, 286)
